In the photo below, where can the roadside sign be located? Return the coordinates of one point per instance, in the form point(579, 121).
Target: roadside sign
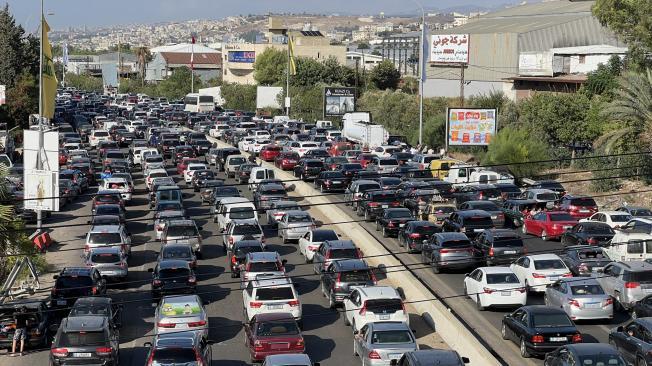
point(3, 96)
point(338, 101)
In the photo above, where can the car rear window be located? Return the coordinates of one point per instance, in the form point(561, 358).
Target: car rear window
point(174, 356)
point(561, 217)
point(598, 229)
point(169, 273)
point(277, 328)
point(456, 243)
point(489, 206)
point(591, 254)
point(82, 339)
point(278, 293)
point(324, 235)
point(391, 336)
point(542, 264)
point(241, 213)
point(104, 238)
point(547, 196)
point(74, 282)
point(383, 197)
point(355, 276)
point(384, 305)
point(551, 320)
point(508, 242)
point(501, 278)
point(585, 201)
point(479, 221)
point(349, 253)
point(314, 164)
point(180, 252)
point(641, 212)
point(105, 258)
point(263, 267)
point(387, 162)
point(246, 230)
point(638, 276)
point(399, 214)
point(587, 290)
point(100, 134)
point(367, 187)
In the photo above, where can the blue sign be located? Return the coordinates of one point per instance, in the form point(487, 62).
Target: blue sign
point(242, 56)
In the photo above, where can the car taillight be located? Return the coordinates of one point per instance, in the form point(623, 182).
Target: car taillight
point(374, 204)
point(481, 196)
point(391, 224)
point(363, 309)
point(166, 325)
point(293, 302)
point(234, 260)
point(573, 302)
point(59, 352)
point(414, 236)
point(373, 355)
point(94, 290)
point(299, 344)
point(567, 275)
point(255, 304)
point(537, 339)
point(159, 228)
point(230, 240)
point(192, 279)
point(577, 338)
point(491, 252)
point(156, 283)
point(444, 251)
point(488, 290)
point(538, 275)
point(200, 323)
point(591, 241)
point(259, 346)
point(521, 289)
point(632, 285)
point(103, 351)
point(608, 302)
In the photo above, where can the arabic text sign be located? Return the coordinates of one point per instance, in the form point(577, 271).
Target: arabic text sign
point(449, 48)
point(471, 126)
point(242, 56)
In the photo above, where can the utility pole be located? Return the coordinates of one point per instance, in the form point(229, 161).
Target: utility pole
point(422, 70)
point(39, 156)
point(462, 67)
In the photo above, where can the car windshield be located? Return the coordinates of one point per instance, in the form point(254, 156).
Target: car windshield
point(598, 229)
point(104, 238)
point(277, 328)
point(82, 339)
point(485, 206)
point(638, 276)
point(173, 273)
point(299, 218)
point(542, 264)
point(583, 202)
point(547, 197)
point(561, 217)
point(426, 229)
point(478, 221)
point(591, 254)
point(508, 242)
point(324, 235)
point(455, 244)
point(277, 293)
point(247, 229)
point(105, 258)
point(87, 309)
point(242, 213)
point(237, 161)
point(367, 187)
point(181, 230)
point(355, 276)
point(588, 289)
point(74, 282)
point(640, 212)
point(391, 336)
point(314, 164)
point(551, 320)
point(501, 278)
point(602, 360)
point(177, 252)
point(174, 356)
point(399, 214)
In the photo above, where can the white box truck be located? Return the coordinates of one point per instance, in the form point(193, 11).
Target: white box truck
point(358, 127)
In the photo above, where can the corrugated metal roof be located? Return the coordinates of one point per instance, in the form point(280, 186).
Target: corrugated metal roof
point(200, 58)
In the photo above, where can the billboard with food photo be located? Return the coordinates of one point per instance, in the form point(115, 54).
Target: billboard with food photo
point(470, 126)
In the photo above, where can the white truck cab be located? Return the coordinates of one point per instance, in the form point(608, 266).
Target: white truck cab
point(463, 174)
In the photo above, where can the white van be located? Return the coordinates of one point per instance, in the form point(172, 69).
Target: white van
point(332, 134)
point(233, 208)
point(323, 124)
point(97, 136)
point(217, 130)
point(633, 247)
point(258, 174)
point(141, 153)
point(462, 174)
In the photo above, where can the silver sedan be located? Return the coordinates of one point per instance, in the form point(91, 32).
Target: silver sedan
point(180, 313)
point(580, 299)
point(381, 342)
point(294, 224)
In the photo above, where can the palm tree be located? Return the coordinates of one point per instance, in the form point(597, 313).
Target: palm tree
point(143, 57)
point(632, 106)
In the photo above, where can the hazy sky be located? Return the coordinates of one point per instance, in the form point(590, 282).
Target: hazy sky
point(106, 12)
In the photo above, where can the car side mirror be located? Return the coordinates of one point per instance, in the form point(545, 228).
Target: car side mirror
point(466, 360)
point(284, 261)
point(200, 228)
point(147, 344)
point(620, 329)
point(150, 270)
point(55, 277)
point(393, 362)
point(466, 274)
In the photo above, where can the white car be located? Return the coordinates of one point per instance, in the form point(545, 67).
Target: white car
point(373, 304)
point(274, 295)
point(243, 144)
point(309, 243)
point(301, 147)
point(539, 271)
point(119, 184)
point(141, 153)
point(615, 219)
point(154, 173)
point(258, 144)
point(217, 131)
point(262, 134)
point(97, 136)
point(494, 286)
point(386, 151)
point(187, 174)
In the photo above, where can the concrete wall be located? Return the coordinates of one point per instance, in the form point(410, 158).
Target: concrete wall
point(590, 63)
point(451, 88)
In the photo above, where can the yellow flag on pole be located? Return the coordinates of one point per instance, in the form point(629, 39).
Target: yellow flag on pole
point(49, 79)
point(293, 65)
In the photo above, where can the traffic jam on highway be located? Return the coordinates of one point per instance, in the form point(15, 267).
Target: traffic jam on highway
point(182, 241)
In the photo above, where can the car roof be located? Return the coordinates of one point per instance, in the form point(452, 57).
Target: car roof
point(273, 316)
point(108, 249)
point(263, 256)
point(637, 265)
point(180, 299)
point(469, 213)
point(377, 291)
point(340, 244)
point(272, 282)
point(591, 349)
point(289, 359)
point(610, 212)
point(542, 309)
point(543, 256)
point(580, 281)
point(84, 323)
point(105, 228)
point(452, 236)
point(350, 264)
point(496, 269)
point(232, 200)
point(247, 243)
point(93, 300)
point(75, 271)
point(503, 233)
point(540, 190)
point(436, 356)
point(181, 222)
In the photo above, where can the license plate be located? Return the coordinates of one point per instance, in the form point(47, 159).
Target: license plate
point(274, 307)
point(395, 356)
point(62, 302)
point(279, 346)
point(505, 293)
point(81, 354)
point(553, 278)
point(567, 227)
point(337, 182)
point(509, 252)
point(493, 217)
point(558, 339)
point(401, 225)
point(385, 206)
point(383, 317)
point(592, 305)
point(478, 230)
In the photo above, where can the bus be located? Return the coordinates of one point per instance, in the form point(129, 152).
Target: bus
point(199, 103)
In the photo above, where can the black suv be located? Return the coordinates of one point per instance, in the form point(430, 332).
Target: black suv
point(340, 275)
point(499, 246)
point(41, 324)
point(75, 282)
point(179, 348)
point(392, 220)
point(470, 222)
point(222, 154)
point(85, 340)
point(98, 306)
point(308, 168)
point(373, 203)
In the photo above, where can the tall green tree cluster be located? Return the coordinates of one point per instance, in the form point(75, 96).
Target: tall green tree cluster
point(19, 63)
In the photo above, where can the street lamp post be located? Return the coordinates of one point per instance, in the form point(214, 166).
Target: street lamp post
point(422, 69)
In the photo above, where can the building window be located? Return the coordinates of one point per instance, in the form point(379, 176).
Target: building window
point(582, 59)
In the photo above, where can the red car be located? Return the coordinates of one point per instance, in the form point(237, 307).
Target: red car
point(580, 207)
point(272, 334)
point(269, 152)
point(365, 159)
point(548, 225)
point(63, 157)
point(183, 165)
point(287, 160)
point(107, 198)
point(339, 148)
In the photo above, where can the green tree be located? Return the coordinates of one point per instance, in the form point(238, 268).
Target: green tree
point(270, 67)
point(604, 80)
point(363, 46)
point(410, 85)
point(309, 72)
point(513, 145)
point(307, 102)
point(385, 75)
point(239, 96)
point(84, 82)
point(22, 100)
point(11, 48)
point(630, 20)
point(177, 85)
point(143, 57)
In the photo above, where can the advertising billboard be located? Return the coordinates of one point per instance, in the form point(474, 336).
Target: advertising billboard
point(449, 48)
point(42, 181)
point(248, 57)
point(39, 190)
point(338, 101)
point(470, 126)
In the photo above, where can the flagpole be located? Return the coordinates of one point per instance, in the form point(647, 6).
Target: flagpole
point(287, 81)
point(192, 66)
point(39, 157)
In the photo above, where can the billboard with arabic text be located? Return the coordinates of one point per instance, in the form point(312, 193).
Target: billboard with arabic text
point(470, 126)
point(449, 48)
